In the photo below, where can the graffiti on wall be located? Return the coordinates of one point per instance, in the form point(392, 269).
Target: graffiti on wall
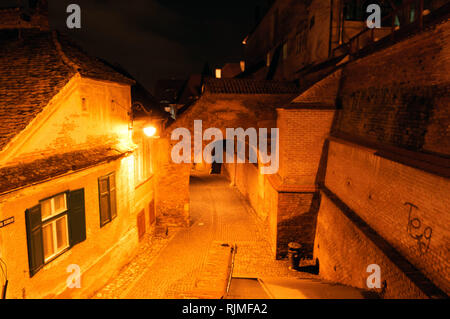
point(417, 230)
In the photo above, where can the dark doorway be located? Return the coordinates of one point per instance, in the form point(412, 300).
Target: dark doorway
point(216, 168)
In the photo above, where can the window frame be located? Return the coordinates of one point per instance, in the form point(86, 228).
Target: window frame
point(75, 215)
point(52, 219)
point(143, 169)
point(110, 216)
point(54, 238)
point(54, 214)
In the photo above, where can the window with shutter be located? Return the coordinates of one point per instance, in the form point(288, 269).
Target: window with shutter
point(53, 227)
point(34, 238)
point(107, 198)
point(77, 217)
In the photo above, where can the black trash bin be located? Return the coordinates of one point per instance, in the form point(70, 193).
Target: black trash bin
point(294, 255)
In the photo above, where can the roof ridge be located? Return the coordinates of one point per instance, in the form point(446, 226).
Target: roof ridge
point(62, 54)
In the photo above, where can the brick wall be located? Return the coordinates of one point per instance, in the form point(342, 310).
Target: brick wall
point(302, 136)
point(397, 97)
point(400, 95)
point(296, 221)
point(345, 252)
point(216, 111)
point(399, 202)
point(11, 19)
point(171, 187)
point(288, 200)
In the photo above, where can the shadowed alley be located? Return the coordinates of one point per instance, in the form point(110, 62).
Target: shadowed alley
point(219, 213)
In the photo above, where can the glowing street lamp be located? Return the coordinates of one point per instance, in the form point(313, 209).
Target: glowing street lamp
point(150, 131)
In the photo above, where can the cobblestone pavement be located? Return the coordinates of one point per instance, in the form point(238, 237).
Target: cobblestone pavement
point(166, 267)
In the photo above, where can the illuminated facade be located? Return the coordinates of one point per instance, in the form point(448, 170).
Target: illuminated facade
point(75, 176)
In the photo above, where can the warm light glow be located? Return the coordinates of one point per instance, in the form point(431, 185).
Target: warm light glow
point(218, 73)
point(150, 131)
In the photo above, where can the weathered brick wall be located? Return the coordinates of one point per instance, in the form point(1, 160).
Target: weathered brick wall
point(171, 187)
point(296, 221)
point(302, 136)
point(215, 111)
point(11, 19)
point(395, 97)
point(345, 252)
point(400, 95)
point(288, 200)
point(229, 111)
point(382, 193)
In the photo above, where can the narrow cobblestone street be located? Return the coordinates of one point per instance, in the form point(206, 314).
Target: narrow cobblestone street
point(167, 267)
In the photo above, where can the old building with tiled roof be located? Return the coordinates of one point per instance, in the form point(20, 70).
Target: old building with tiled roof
point(36, 67)
point(75, 167)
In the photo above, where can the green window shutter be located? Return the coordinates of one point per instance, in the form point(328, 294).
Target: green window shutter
point(103, 193)
point(77, 217)
point(34, 238)
point(112, 195)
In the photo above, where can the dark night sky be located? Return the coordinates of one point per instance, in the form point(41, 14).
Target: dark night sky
point(155, 39)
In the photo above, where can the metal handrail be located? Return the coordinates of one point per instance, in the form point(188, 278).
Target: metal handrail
point(347, 46)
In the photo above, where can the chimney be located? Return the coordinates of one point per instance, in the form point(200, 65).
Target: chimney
point(28, 14)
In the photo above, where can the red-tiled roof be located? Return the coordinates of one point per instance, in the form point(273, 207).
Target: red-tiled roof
point(248, 86)
point(23, 174)
point(34, 68)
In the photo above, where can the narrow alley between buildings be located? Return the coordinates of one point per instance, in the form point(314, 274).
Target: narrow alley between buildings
point(170, 265)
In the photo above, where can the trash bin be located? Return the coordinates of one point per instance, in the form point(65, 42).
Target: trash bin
point(294, 255)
